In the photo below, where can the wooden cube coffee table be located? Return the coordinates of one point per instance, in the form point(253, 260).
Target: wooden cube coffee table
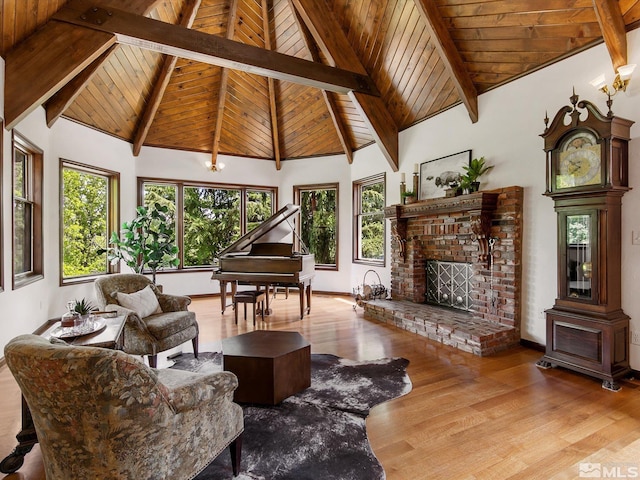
point(270, 365)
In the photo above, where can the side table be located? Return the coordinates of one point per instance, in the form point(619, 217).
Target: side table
point(109, 337)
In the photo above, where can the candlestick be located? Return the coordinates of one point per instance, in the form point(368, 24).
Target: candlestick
point(415, 184)
point(403, 189)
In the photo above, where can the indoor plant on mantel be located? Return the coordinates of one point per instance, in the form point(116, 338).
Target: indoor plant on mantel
point(148, 241)
point(408, 197)
point(476, 168)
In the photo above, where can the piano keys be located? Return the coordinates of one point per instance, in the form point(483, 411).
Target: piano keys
point(259, 258)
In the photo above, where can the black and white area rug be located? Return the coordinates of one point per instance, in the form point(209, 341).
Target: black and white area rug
point(317, 434)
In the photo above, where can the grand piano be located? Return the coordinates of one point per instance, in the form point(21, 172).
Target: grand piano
point(259, 258)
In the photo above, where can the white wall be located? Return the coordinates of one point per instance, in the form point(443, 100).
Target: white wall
point(507, 135)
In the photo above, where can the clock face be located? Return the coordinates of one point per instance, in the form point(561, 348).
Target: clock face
point(578, 161)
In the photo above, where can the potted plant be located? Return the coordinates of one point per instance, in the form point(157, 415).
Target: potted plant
point(408, 197)
point(474, 170)
point(83, 307)
point(147, 242)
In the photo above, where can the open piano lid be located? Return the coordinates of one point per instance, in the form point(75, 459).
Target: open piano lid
point(273, 229)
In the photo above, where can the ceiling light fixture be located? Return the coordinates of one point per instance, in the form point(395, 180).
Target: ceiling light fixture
point(214, 166)
point(623, 76)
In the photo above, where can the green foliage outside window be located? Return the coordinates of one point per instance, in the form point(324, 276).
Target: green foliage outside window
point(211, 223)
point(318, 223)
point(85, 223)
point(372, 221)
point(211, 219)
point(259, 208)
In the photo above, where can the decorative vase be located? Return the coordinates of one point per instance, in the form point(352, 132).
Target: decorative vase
point(71, 318)
point(474, 187)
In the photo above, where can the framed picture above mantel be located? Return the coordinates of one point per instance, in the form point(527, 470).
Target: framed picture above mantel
point(437, 174)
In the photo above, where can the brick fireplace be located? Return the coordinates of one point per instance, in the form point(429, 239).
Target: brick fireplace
point(483, 230)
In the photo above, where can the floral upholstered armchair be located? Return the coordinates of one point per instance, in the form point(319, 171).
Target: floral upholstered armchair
point(155, 321)
point(102, 413)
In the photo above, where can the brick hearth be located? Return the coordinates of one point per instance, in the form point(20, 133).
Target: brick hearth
point(458, 229)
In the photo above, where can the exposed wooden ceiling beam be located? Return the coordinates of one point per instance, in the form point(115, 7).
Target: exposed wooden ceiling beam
point(450, 56)
point(56, 54)
point(341, 130)
point(330, 37)
point(166, 70)
point(272, 94)
point(613, 30)
point(179, 41)
point(64, 97)
point(46, 61)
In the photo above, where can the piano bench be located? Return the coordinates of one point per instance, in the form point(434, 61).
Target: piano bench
point(252, 297)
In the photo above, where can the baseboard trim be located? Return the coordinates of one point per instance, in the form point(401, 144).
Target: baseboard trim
point(533, 345)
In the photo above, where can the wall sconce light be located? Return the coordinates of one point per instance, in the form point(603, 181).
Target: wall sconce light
point(214, 167)
point(623, 76)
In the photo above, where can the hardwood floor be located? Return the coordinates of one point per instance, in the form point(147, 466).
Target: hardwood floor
point(466, 417)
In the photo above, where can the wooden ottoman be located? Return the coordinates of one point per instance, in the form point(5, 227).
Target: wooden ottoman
point(270, 365)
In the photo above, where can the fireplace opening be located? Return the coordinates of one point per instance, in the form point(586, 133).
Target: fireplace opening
point(448, 284)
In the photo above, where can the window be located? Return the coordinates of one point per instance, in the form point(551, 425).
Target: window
point(209, 217)
point(211, 223)
point(89, 213)
point(27, 212)
point(1, 208)
point(318, 227)
point(368, 222)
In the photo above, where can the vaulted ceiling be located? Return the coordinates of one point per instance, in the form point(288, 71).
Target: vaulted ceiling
point(282, 79)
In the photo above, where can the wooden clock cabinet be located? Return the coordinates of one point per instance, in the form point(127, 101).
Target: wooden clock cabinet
point(587, 176)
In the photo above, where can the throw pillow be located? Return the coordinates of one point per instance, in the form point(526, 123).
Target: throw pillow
point(144, 302)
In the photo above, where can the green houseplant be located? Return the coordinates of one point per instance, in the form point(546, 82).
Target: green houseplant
point(147, 242)
point(408, 197)
point(83, 306)
point(476, 168)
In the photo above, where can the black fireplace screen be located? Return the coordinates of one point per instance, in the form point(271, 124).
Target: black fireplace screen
point(448, 284)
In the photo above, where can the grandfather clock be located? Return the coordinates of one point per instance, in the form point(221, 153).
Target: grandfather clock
point(587, 175)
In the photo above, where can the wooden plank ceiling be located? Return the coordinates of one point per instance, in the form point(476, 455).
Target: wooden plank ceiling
point(422, 56)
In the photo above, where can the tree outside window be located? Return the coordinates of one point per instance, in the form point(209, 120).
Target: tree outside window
point(209, 218)
point(368, 224)
point(319, 222)
point(88, 214)
point(211, 223)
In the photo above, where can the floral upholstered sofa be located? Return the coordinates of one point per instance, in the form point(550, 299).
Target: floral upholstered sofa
point(103, 414)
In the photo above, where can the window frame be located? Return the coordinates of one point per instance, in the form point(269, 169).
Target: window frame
point(180, 185)
point(113, 215)
point(358, 185)
point(297, 191)
point(33, 184)
point(1, 205)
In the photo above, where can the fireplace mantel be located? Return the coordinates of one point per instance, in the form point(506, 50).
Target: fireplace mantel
point(480, 207)
point(456, 230)
point(473, 202)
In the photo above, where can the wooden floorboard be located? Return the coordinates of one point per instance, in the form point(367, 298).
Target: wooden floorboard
point(467, 417)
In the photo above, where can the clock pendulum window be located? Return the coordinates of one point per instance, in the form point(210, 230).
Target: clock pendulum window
point(587, 175)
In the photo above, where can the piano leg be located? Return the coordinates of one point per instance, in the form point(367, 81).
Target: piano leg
point(301, 295)
point(223, 293)
point(304, 290)
point(267, 309)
